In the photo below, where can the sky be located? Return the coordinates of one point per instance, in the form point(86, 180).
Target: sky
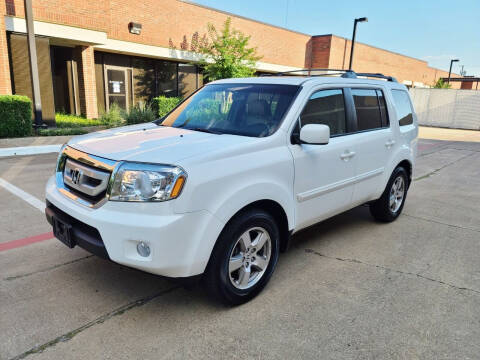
point(432, 30)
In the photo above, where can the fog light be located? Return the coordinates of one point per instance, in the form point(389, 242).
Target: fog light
point(143, 249)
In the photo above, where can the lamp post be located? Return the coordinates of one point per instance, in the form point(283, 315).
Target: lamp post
point(450, 71)
point(362, 19)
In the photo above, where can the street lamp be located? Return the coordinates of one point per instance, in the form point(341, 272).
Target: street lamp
point(362, 19)
point(450, 71)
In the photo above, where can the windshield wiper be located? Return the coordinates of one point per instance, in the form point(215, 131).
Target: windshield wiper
point(205, 130)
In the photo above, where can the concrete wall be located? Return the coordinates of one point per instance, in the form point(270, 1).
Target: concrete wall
point(457, 109)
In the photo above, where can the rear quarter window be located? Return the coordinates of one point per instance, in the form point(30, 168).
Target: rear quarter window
point(403, 107)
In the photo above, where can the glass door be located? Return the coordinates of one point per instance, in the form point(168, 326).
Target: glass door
point(116, 87)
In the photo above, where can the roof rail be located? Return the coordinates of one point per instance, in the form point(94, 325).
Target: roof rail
point(350, 74)
point(378, 76)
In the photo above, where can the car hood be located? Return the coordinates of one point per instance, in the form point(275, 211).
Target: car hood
point(152, 143)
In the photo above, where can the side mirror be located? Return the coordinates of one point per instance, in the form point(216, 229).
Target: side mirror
point(315, 134)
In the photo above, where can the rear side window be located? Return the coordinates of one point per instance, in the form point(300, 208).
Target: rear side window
point(326, 107)
point(403, 107)
point(368, 109)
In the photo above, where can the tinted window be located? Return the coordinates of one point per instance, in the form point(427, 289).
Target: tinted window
point(239, 109)
point(326, 107)
point(383, 109)
point(403, 107)
point(367, 109)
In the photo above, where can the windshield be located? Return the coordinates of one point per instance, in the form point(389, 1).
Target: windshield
point(241, 109)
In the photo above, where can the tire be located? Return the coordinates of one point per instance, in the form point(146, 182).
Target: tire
point(226, 274)
point(383, 209)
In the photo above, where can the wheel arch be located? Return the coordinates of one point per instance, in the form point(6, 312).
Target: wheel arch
point(276, 210)
point(407, 165)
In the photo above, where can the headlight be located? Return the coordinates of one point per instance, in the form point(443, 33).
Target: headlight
point(147, 182)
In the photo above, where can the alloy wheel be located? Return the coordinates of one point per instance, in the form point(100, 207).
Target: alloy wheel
point(397, 193)
point(249, 258)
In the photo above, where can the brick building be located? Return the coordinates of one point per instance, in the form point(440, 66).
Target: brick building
point(88, 58)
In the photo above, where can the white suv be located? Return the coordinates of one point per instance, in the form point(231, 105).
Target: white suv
point(218, 186)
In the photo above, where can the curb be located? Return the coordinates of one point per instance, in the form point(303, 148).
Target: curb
point(30, 150)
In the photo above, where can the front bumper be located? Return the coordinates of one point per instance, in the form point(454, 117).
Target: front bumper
point(180, 244)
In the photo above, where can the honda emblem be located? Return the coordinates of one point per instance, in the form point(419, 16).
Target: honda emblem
point(76, 175)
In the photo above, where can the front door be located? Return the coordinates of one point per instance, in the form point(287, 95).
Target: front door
point(324, 174)
point(116, 87)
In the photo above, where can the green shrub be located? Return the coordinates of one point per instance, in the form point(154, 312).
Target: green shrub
point(162, 105)
point(140, 113)
point(15, 116)
point(74, 121)
point(62, 131)
point(113, 117)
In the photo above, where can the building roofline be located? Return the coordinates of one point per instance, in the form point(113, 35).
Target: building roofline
point(390, 51)
point(190, 2)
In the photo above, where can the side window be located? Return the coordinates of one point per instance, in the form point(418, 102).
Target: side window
point(367, 109)
point(326, 107)
point(383, 109)
point(403, 107)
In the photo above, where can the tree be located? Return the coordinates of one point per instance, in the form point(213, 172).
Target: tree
point(440, 84)
point(226, 54)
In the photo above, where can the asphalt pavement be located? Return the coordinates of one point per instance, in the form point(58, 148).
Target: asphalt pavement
point(349, 288)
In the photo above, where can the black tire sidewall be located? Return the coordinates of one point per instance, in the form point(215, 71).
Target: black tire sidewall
point(218, 267)
point(399, 171)
point(380, 209)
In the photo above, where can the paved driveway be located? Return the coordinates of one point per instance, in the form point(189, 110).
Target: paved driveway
point(349, 288)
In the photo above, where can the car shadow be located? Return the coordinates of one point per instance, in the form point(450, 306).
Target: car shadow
point(119, 279)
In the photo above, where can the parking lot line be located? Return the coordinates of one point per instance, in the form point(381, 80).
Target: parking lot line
point(32, 200)
point(25, 241)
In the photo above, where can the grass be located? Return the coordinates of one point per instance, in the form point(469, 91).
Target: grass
point(74, 121)
point(68, 124)
point(62, 131)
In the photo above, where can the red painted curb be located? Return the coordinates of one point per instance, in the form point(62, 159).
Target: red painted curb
point(25, 241)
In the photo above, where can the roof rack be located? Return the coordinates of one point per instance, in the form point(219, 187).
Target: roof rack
point(350, 74)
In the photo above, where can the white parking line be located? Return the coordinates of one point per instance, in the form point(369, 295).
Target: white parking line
point(30, 150)
point(32, 200)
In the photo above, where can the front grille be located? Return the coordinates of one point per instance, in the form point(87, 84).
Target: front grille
point(84, 180)
point(83, 177)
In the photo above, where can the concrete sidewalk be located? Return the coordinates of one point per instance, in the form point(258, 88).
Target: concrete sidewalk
point(33, 141)
point(434, 133)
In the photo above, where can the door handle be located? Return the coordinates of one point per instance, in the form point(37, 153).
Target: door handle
point(390, 143)
point(347, 155)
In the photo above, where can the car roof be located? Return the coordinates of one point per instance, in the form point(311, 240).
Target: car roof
point(311, 80)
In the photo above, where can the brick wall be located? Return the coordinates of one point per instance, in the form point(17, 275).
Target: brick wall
point(162, 21)
point(5, 83)
point(318, 52)
point(371, 59)
point(174, 21)
point(86, 81)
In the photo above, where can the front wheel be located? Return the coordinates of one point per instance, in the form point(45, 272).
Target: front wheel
point(390, 204)
point(244, 257)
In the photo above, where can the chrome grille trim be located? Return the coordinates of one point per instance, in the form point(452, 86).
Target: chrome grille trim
point(96, 166)
point(82, 178)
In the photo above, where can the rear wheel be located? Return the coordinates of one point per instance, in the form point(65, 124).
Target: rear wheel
point(244, 257)
point(390, 204)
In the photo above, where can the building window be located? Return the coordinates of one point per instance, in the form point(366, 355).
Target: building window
point(167, 84)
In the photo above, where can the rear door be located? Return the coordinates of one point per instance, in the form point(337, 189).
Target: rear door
point(374, 142)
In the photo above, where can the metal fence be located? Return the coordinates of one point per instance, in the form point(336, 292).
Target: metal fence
point(456, 109)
